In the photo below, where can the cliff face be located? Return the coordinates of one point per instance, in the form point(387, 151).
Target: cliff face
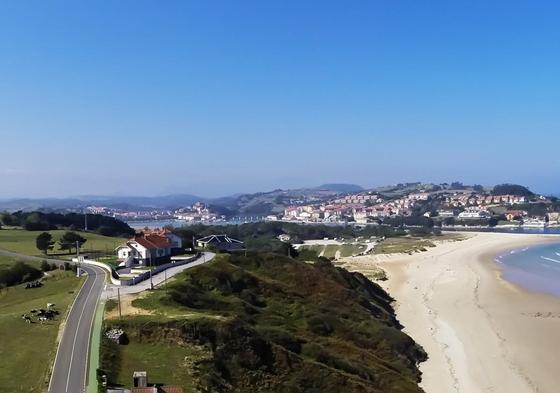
point(287, 326)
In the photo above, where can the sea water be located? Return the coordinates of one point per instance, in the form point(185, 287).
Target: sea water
point(536, 268)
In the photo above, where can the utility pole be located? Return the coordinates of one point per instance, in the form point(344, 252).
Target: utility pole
point(151, 282)
point(78, 258)
point(85, 220)
point(119, 301)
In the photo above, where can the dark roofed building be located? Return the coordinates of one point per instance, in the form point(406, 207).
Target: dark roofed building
point(221, 242)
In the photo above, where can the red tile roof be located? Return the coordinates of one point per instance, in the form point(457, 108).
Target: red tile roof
point(152, 242)
point(159, 240)
point(171, 389)
point(144, 390)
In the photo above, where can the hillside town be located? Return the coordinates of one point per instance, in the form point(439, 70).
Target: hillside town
point(463, 207)
point(197, 212)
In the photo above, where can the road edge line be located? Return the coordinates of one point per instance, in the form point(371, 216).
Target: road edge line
point(62, 335)
point(91, 329)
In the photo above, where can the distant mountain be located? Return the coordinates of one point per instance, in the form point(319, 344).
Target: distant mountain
point(122, 202)
point(341, 187)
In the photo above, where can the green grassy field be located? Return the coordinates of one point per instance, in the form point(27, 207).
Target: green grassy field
point(27, 350)
point(156, 358)
point(345, 249)
point(412, 244)
point(405, 245)
point(23, 242)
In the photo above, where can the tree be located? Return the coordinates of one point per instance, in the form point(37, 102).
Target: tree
point(478, 188)
point(35, 222)
point(45, 266)
point(44, 242)
point(512, 189)
point(8, 219)
point(69, 240)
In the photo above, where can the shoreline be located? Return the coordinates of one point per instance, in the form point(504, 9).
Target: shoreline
point(481, 332)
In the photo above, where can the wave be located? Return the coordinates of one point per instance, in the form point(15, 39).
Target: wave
point(551, 259)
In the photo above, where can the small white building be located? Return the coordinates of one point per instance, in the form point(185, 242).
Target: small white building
point(149, 246)
point(474, 214)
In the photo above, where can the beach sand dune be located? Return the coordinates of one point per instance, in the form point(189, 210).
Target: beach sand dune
point(482, 334)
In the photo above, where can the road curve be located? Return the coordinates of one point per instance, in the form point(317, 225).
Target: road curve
point(70, 366)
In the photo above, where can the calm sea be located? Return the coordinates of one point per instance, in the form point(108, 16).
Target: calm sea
point(536, 268)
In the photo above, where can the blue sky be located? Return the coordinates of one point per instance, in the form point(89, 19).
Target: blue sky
point(220, 97)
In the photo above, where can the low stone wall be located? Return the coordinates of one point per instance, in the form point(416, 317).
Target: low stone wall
point(141, 277)
point(102, 265)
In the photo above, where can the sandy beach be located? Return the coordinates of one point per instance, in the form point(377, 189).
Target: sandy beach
point(482, 334)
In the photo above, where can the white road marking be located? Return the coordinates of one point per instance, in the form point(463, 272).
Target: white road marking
point(76, 333)
point(89, 333)
point(65, 322)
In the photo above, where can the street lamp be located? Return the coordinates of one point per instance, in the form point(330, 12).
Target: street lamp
point(78, 258)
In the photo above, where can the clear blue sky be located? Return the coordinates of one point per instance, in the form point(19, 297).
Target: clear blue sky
point(219, 97)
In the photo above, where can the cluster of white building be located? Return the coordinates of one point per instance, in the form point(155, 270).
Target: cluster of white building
point(464, 200)
point(359, 207)
point(197, 212)
point(128, 215)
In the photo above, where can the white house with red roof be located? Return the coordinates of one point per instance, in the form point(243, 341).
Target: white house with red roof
point(148, 246)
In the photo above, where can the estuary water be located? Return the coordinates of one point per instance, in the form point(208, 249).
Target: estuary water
point(536, 268)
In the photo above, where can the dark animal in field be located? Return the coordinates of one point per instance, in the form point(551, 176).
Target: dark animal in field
point(33, 311)
point(50, 305)
point(49, 314)
point(26, 318)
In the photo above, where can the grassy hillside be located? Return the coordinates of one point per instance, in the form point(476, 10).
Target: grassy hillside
point(27, 350)
point(23, 242)
point(267, 323)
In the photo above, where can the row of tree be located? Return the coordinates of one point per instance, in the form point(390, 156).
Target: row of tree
point(39, 221)
point(68, 242)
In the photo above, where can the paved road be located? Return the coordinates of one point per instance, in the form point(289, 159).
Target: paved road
point(70, 367)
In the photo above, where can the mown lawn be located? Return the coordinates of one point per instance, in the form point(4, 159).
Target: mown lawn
point(28, 350)
point(330, 250)
point(156, 359)
point(23, 242)
point(405, 245)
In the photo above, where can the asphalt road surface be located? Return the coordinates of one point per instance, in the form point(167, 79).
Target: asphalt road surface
point(71, 363)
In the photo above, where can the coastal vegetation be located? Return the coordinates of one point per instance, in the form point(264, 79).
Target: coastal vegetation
point(266, 322)
point(258, 235)
point(16, 272)
point(39, 221)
